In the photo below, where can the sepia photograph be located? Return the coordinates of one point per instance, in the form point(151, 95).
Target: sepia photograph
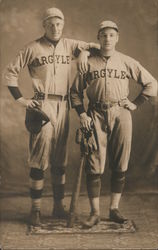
point(79, 125)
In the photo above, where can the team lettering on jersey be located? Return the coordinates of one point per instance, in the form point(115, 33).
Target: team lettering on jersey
point(110, 73)
point(43, 60)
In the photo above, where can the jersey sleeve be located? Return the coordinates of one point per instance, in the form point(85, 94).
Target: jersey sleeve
point(15, 91)
point(12, 71)
point(76, 91)
point(143, 77)
point(77, 46)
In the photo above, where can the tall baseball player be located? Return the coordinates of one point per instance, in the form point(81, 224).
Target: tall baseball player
point(109, 110)
point(49, 61)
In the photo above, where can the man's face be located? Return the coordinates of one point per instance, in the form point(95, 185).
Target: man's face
point(108, 38)
point(54, 28)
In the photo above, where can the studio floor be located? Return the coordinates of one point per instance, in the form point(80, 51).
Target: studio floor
point(141, 208)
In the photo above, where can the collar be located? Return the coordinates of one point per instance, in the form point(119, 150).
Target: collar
point(106, 58)
point(50, 42)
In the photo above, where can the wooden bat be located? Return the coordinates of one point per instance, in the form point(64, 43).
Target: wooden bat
point(76, 193)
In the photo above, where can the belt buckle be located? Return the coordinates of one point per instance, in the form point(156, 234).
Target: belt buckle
point(105, 106)
point(39, 96)
point(35, 96)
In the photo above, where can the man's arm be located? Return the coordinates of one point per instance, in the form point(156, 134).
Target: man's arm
point(140, 99)
point(147, 81)
point(11, 76)
point(77, 46)
point(76, 94)
point(82, 50)
point(28, 103)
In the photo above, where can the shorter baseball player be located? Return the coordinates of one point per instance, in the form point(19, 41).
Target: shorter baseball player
point(109, 111)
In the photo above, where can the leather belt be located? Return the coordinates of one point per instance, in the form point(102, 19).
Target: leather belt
point(58, 97)
point(41, 96)
point(103, 105)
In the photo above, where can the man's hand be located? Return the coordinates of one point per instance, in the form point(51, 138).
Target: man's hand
point(30, 103)
point(83, 61)
point(85, 121)
point(128, 105)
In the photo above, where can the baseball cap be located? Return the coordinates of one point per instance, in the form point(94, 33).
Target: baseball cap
point(53, 12)
point(107, 24)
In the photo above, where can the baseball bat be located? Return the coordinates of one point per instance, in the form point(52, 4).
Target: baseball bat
point(75, 193)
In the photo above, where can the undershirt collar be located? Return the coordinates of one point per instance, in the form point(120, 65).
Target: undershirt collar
point(50, 41)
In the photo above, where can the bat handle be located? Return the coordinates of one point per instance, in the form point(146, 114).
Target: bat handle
point(75, 195)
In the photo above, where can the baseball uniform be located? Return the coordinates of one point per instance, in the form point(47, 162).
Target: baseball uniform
point(107, 85)
point(49, 64)
point(50, 70)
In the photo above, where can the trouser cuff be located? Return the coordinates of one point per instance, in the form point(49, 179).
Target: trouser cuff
point(117, 182)
point(93, 185)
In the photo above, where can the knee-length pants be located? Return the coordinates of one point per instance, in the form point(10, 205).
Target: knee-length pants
point(113, 133)
point(49, 146)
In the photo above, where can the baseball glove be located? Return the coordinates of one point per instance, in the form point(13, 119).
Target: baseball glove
point(87, 141)
point(34, 120)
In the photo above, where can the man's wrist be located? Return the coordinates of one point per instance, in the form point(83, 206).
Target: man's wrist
point(86, 52)
point(83, 115)
point(140, 100)
point(22, 101)
point(15, 92)
point(94, 46)
point(80, 109)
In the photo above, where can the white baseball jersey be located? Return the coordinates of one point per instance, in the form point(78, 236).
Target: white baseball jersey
point(108, 80)
point(49, 66)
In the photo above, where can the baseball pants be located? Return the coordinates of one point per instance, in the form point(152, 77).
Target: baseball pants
point(113, 132)
point(49, 147)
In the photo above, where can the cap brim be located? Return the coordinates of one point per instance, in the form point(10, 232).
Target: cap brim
point(115, 28)
point(44, 19)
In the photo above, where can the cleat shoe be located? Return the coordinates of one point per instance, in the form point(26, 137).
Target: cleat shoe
point(115, 216)
point(35, 218)
point(93, 220)
point(60, 213)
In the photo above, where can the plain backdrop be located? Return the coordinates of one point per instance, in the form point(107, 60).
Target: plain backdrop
point(20, 22)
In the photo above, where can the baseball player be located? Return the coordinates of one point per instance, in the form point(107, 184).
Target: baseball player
point(49, 61)
point(109, 112)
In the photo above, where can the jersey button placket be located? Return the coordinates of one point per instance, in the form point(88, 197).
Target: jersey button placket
point(54, 69)
point(50, 76)
point(105, 60)
point(107, 83)
point(106, 113)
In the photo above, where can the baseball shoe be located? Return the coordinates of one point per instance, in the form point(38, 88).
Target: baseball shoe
point(60, 213)
point(35, 218)
point(115, 216)
point(93, 220)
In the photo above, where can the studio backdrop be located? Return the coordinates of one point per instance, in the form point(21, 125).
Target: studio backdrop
point(20, 22)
